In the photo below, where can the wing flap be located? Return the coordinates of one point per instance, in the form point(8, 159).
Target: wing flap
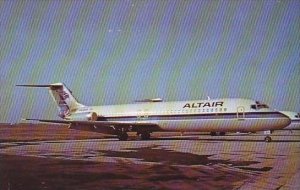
point(41, 85)
point(138, 123)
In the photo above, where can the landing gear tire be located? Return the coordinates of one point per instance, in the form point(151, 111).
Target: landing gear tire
point(268, 139)
point(123, 136)
point(213, 133)
point(145, 136)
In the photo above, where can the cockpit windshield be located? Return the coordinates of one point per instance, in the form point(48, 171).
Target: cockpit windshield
point(258, 105)
point(298, 115)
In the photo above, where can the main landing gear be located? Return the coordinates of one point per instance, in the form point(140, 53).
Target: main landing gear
point(123, 136)
point(145, 135)
point(217, 133)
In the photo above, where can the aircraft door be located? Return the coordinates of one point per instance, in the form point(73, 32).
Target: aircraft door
point(142, 114)
point(240, 114)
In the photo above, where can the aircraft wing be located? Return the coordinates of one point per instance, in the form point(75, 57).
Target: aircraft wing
point(110, 127)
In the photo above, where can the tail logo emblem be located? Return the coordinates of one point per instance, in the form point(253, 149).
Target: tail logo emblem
point(64, 108)
point(62, 94)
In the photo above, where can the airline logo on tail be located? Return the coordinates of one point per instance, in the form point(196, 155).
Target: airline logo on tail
point(62, 94)
point(64, 109)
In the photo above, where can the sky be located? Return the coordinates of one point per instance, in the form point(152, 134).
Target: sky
point(118, 51)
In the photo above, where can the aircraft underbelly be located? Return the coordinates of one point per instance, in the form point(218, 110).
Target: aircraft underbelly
point(226, 125)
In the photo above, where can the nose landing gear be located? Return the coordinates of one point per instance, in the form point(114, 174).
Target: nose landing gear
point(268, 139)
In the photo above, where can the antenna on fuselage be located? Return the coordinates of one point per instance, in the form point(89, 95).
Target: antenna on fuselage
point(150, 100)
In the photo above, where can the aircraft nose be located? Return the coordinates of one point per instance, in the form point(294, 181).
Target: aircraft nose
point(287, 118)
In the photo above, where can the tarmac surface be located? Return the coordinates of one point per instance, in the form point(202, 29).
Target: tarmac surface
point(165, 162)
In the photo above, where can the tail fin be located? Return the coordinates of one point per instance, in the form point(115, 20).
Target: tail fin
point(66, 102)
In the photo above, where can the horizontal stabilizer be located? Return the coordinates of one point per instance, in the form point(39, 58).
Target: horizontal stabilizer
point(40, 85)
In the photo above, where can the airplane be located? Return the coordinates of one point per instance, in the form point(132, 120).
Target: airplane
point(295, 120)
point(152, 115)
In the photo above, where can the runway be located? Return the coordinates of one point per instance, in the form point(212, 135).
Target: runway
point(171, 162)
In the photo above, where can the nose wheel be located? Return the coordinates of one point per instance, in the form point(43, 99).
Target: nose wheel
point(268, 139)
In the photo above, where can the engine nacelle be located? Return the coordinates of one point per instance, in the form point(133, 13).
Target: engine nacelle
point(85, 116)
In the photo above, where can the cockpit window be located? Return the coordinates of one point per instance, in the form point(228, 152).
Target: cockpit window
point(259, 105)
point(298, 115)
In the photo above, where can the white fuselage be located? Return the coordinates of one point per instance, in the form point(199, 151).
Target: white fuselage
point(227, 115)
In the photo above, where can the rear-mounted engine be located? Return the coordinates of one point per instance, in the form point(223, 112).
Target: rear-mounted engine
point(86, 116)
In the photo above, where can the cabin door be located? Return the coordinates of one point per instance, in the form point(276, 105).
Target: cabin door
point(240, 114)
point(142, 114)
